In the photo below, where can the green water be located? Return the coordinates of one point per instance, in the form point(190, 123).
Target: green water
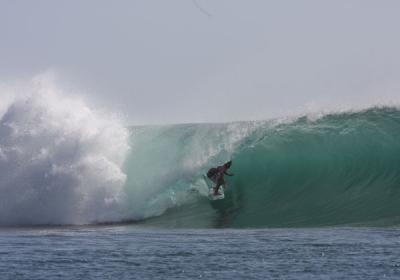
point(338, 169)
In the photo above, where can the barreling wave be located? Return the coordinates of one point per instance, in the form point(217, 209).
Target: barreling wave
point(62, 162)
point(338, 169)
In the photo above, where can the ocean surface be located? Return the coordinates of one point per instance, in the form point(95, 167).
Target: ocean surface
point(83, 196)
point(131, 252)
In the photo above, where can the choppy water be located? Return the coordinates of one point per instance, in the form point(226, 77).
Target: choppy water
point(130, 252)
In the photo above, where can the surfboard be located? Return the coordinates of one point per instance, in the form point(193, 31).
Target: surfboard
point(210, 186)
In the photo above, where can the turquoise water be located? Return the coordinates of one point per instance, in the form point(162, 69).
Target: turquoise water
point(129, 252)
point(337, 169)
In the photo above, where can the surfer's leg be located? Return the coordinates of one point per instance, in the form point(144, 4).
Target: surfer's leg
point(220, 182)
point(216, 188)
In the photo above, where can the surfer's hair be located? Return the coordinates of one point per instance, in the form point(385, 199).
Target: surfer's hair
point(228, 164)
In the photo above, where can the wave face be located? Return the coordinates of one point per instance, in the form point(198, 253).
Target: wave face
point(337, 169)
point(60, 161)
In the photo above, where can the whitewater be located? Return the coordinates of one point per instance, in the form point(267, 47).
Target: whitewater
point(65, 162)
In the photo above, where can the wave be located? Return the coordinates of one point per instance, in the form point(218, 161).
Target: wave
point(338, 169)
point(63, 162)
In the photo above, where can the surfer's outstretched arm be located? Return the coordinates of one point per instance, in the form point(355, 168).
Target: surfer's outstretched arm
point(229, 174)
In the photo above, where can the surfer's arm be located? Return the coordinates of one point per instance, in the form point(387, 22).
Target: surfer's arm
point(229, 174)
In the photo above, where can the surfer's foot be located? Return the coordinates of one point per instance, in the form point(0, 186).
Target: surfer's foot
point(217, 193)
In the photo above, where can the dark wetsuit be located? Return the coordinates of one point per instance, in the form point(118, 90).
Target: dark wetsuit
point(217, 174)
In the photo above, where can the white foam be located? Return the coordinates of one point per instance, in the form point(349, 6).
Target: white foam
point(60, 160)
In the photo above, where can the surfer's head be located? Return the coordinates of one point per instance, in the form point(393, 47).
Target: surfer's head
point(228, 164)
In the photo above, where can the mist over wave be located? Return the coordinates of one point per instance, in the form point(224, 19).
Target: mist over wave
point(60, 161)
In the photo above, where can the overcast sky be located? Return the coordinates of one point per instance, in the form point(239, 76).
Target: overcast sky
point(174, 61)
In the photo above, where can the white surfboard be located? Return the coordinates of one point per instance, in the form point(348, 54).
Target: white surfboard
point(210, 186)
point(212, 196)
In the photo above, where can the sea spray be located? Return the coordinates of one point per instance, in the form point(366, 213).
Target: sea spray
point(60, 160)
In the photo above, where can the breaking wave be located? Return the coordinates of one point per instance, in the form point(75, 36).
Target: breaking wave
point(337, 169)
point(63, 162)
point(60, 161)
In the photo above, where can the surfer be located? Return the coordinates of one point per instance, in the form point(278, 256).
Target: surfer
point(216, 174)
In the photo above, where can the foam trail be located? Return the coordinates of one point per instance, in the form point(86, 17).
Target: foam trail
point(60, 161)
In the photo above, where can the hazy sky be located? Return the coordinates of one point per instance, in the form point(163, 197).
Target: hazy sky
point(169, 61)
